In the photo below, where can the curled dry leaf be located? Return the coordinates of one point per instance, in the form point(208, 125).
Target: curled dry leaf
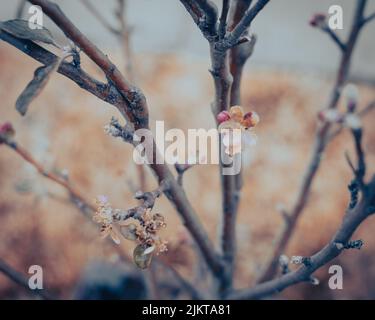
point(36, 85)
point(27, 30)
point(141, 258)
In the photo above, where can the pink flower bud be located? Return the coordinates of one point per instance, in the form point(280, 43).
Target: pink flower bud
point(318, 20)
point(6, 131)
point(223, 116)
point(6, 128)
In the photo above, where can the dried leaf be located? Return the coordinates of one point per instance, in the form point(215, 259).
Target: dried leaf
point(129, 231)
point(33, 89)
point(21, 29)
point(149, 250)
point(141, 259)
point(115, 237)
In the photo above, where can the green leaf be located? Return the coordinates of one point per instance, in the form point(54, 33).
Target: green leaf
point(36, 85)
point(21, 29)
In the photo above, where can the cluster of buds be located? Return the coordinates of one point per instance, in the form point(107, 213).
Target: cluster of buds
point(349, 118)
point(115, 129)
point(104, 215)
point(318, 20)
point(138, 224)
point(6, 132)
point(355, 244)
point(236, 119)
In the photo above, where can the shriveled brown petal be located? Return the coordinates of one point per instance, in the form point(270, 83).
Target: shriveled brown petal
point(129, 231)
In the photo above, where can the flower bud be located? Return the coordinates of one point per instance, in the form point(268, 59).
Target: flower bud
point(250, 119)
point(236, 113)
point(318, 20)
point(6, 131)
point(223, 116)
point(283, 260)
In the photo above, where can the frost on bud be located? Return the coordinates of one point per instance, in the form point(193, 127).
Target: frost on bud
point(351, 94)
point(141, 257)
point(283, 260)
point(250, 119)
point(223, 116)
point(339, 245)
point(314, 281)
point(6, 131)
point(111, 130)
point(296, 259)
point(318, 20)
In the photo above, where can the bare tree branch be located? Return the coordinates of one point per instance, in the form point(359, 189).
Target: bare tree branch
point(321, 140)
point(74, 193)
point(223, 18)
point(105, 92)
point(223, 79)
point(148, 200)
point(334, 37)
point(368, 18)
point(233, 37)
point(204, 14)
point(135, 106)
point(99, 17)
point(353, 218)
point(134, 109)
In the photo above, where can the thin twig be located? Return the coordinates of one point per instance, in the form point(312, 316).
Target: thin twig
point(368, 18)
point(220, 71)
point(74, 193)
point(99, 17)
point(148, 201)
point(334, 37)
point(204, 14)
point(181, 169)
point(370, 107)
point(353, 218)
point(223, 18)
point(132, 96)
point(132, 105)
point(321, 140)
point(244, 24)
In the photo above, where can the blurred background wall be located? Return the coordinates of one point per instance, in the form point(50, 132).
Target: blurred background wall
point(285, 38)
